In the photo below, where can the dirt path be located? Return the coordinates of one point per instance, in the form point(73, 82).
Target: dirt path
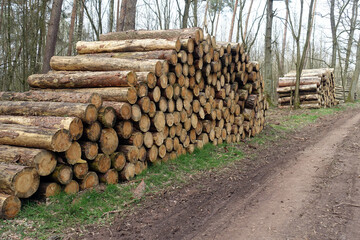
point(302, 187)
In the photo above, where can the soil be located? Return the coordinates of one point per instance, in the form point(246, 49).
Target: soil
point(302, 186)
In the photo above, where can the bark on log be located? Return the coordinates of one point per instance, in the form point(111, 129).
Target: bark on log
point(42, 160)
point(20, 181)
point(76, 79)
point(84, 63)
point(290, 81)
point(72, 124)
point(134, 45)
point(195, 33)
point(9, 206)
point(51, 96)
point(36, 137)
point(310, 87)
point(86, 112)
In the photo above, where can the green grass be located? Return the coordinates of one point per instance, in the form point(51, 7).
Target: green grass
point(40, 220)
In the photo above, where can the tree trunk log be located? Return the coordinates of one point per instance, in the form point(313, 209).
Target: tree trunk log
point(71, 124)
point(90, 180)
point(72, 188)
point(109, 141)
point(86, 112)
point(51, 96)
point(107, 116)
point(134, 45)
point(89, 150)
point(42, 160)
point(118, 161)
point(84, 63)
point(77, 79)
point(36, 137)
point(48, 189)
point(128, 172)
point(80, 170)
point(131, 152)
point(17, 180)
point(124, 129)
point(195, 33)
point(101, 163)
point(62, 174)
point(168, 55)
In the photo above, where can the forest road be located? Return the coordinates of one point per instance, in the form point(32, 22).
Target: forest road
point(317, 197)
point(305, 186)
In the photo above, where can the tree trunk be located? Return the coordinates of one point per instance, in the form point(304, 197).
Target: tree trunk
point(111, 16)
point(101, 163)
point(17, 180)
point(110, 177)
point(89, 181)
point(268, 51)
point(233, 21)
point(186, 14)
point(122, 16)
point(48, 189)
point(72, 187)
point(42, 160)
point(52, 34)
point(72, 27)
point(129, 23)
point(109, 141)
point(355, 76)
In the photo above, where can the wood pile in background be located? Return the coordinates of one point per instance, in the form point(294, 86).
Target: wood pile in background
point(317, 89)
point(135, 98)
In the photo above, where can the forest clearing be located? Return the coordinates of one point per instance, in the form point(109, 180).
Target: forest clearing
point(179, 127)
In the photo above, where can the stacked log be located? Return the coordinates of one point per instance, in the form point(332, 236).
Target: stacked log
point(132, 99)
point(317, 89)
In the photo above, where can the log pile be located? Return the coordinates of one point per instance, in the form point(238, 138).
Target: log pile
point(132, 99)
point(317, 89)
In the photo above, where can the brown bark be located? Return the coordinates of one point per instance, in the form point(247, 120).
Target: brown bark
point(172, 34)
point(76, 79)
point(84, 63)
point(51, 36)
point(71, 124)
point(72, 27)
point(86, 112)
point(20, 181)
point(42, 160)
point(36, 137)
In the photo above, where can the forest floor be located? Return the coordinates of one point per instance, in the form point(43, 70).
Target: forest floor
point(298, 179)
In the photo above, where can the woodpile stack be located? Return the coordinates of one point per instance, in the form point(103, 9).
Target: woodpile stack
point(317, 89)
point(131, 99)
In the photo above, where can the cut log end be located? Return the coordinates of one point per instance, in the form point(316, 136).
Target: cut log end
point(76, 129)
point(72, 187)
point(26, 182)
point(9, 206)
point(45, 163)
point(61, 141)
point(108, 140)
point(90, 180)
point(91, 114)
point(110, 177)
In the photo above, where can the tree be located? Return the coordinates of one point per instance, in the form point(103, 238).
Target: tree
point(72, 27)
point(186, 14)
point(52, 34)
point(268, 51)
point(127, 15)
point(232, 21)
point(355, 76)
point(296, 33)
